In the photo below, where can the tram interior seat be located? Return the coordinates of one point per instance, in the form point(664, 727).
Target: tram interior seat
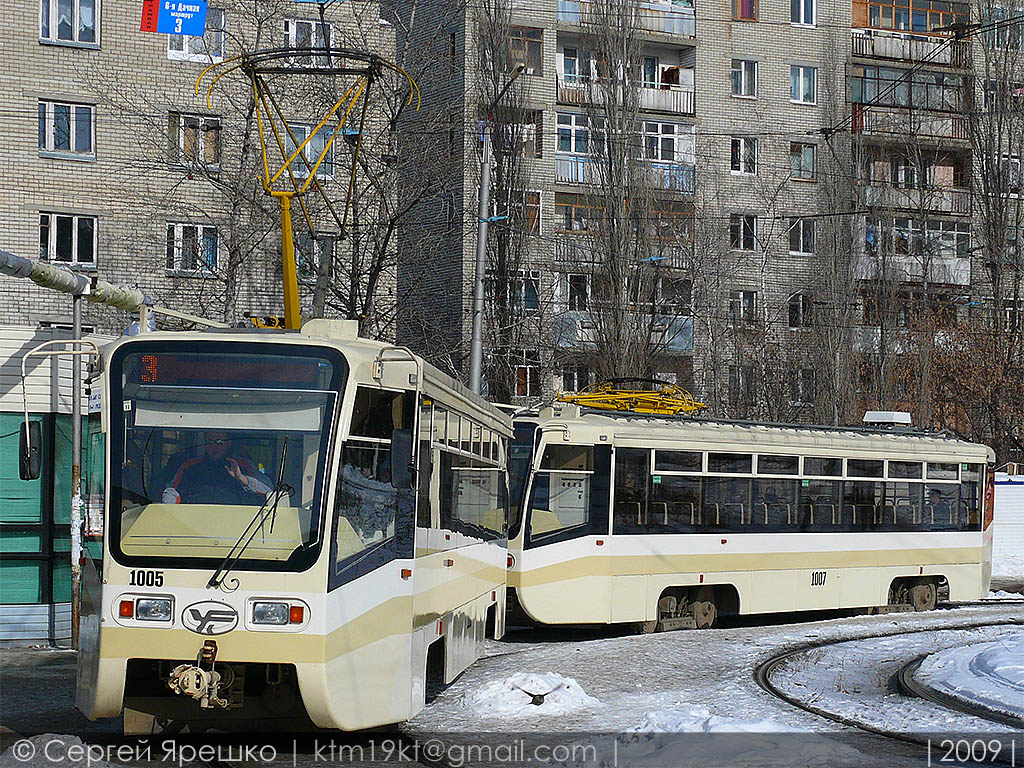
point(627, 516)
point(657, 514)
point(683, 516)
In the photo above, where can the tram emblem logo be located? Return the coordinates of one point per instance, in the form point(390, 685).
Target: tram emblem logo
point(209, 617)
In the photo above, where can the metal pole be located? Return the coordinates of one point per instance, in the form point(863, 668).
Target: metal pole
point(292, 318)
point(76, 470)
point(476, 346)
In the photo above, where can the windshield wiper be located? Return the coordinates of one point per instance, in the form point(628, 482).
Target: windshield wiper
point(255, 524)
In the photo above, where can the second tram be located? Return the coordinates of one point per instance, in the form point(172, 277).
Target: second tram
point(667, 522)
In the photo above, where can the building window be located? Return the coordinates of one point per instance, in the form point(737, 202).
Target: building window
point(312, 250)
point(191, 248)
point(197, 139)
point(744, 78)
point(299, 33)
point(743, 155)
point(800, 310)
point(742, 232)
point(525, 47)
point(575, 378)
point(920, 16)
point(802, 236)
point(660, 141)
point(66, 128)
point(675, 295)
point(311, 152)
point(744, 10)
point(802, 82)
point(578, 292)
point(802, 390)
point(573, 134)
point(520, 138)
point(573, 212)
point(742, 383)
point(742, 307)
point(802, 12)
point(570, 65)
point(526, 290)
point(526, 368)
point(524, 211)
point(71, 21)
point(67, 239)
point(892, 87)
point(203, 48)
point(802, 163)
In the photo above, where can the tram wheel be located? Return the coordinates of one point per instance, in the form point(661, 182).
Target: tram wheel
point(705, 613)
point(923, 595)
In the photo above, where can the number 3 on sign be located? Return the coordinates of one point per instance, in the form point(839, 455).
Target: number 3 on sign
point(177, 26)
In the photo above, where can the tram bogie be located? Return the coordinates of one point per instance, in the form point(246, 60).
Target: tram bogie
point(294, 525)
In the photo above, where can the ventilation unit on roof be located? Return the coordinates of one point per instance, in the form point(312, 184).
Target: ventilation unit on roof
point(887, 418)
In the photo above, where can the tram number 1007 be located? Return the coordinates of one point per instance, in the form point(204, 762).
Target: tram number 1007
point(818, 578)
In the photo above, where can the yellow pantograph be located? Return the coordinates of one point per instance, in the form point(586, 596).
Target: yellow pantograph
point(662, 398)
point(365, 69)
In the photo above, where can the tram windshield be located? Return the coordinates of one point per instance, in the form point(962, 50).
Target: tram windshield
point(204, 434)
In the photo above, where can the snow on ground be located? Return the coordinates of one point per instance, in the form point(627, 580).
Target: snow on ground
point(991, 674)
point(529, 694)
point(1002, 594)
point(1008, 568)
point(702, 681)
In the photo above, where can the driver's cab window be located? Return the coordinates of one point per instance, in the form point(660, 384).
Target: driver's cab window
point(560, 495)
point(374, 520)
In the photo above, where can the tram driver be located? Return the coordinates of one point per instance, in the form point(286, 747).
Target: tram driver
point(216, 477)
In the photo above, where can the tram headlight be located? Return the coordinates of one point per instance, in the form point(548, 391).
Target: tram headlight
point(270, 613)
point(153, 609)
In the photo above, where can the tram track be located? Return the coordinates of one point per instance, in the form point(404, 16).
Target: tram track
point(763, 677)
point(910, 687)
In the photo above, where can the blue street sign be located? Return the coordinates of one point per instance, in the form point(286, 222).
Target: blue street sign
point(182, 17)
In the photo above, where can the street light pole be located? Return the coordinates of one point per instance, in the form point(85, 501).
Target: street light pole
point(76, 469)
point(476, 345)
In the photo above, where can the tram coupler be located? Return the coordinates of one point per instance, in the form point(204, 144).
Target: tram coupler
point(201, 684)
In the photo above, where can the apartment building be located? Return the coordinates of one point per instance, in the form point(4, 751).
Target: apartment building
point(791, 147)
point(114, 166)
point(118, 166)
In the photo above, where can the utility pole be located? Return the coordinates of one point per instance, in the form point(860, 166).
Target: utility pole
point(476, 345)
point(76, 469)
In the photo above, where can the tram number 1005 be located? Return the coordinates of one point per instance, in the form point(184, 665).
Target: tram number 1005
point(818, 578)
point(145, 578)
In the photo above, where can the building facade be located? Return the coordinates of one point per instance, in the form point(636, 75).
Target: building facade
point(812, 197)
point(118, 165)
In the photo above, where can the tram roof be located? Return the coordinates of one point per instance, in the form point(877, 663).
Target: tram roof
point(359, 352)
point(736, 432)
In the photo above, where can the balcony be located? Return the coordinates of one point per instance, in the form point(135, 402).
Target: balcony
point(900, 46)
point(907, 124)
point(941, 268)
point(670, 333)
point(668, 176)
point(939, 199)
point(675, 100)
point(664, 18)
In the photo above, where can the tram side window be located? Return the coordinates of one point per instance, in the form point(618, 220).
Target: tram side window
point(632, 488)
point(520, 456)
point(821, 505)
point(374, 520)
point(862, 505)
point(903, 509)
point(941, 502)
point(819, 466)
point(675, 504)
point(969, 517)
point(423, 482)
point(678, 461)
point(775, 505)
point(726, 503)
point(474, 497)
point(379, 412)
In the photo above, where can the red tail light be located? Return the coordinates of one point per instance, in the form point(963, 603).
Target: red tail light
point(127, 609)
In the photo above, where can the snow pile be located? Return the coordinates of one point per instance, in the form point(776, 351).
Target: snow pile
point(528, 693)
point(700, 720)
point(987, 674)
point(1002, 594)
point(1007, 566)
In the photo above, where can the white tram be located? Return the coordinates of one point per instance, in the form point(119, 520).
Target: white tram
point(666, 522)
point(300, 529)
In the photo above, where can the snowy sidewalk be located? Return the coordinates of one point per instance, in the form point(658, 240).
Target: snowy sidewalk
point(989, 676)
